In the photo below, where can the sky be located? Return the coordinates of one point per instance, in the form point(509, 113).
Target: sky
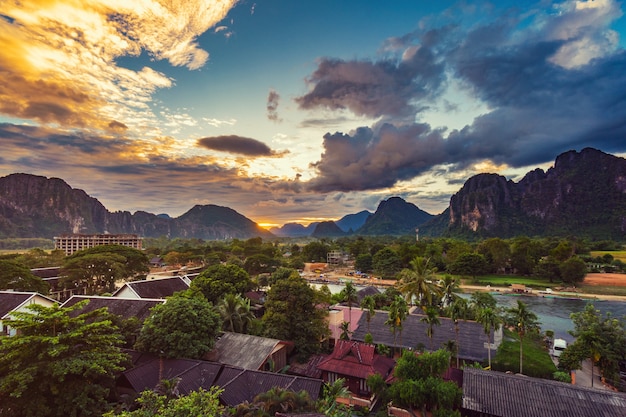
point(300, 111)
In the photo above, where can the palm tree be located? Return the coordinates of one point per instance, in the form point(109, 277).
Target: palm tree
point(345, 331)
point(397, 314)
point(524, 321)
point(490, 319)
point(369, 305)
point(235, 312)
point(449, 285)
point(417, 282)
point(349, 296)
point(330, 392)
point(282, 400)
point(457, 311)
point(431, 319)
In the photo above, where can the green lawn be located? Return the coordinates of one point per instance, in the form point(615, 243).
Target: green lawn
point(537, 362)
point(507, 280)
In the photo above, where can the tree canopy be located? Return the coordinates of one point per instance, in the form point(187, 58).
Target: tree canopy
point(15, 276)
point(59, 364)
point(182, 327)
point(219, 280)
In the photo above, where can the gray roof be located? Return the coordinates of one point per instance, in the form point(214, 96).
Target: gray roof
point(472, 337)
point(244, 350)
point(123, 307)
point(156, 288)
point(12, 300)
point(242, 385)
point(505, 395)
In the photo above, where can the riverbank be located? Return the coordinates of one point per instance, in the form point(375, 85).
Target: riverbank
point(553, 294)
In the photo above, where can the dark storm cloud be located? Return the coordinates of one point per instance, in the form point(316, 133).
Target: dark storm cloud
point(272, 106)
point(375, 89)
point(237, 145)
point(541, 101)
point(376, 158)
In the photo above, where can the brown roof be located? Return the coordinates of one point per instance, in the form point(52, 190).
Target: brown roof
point(356, 359)
point(156, 288)
point(493, 393)
point(123, 307)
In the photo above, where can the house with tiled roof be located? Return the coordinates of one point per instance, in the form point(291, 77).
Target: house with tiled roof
point(250, 352)
point(153, 288)
point(472, 337)
point(126, 308)
point(496, 394)
point(13, 301)
point(355, 362)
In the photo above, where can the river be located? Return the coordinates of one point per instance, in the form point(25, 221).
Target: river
point(553, 313)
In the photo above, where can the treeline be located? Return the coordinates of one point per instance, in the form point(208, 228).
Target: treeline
point(25, 243)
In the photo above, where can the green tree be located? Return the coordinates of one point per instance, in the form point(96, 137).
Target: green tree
point(497, 253)
point(328, 404)
point(291, 313)
point(573, 270)
point(219, 280)
point(416, 283)
point(235, 313)
point(135, 261)
point(196, 403)
point(431, 319)
point(386, 263)
point(14, 276)
point(59, 363)
point(398, 311)
point(363, 262)
point(348, 295)
point(458, 310)
point(281, 400)
point(96, 273)
point(448, 287)
point(368, 304)
point(490, 320)
point(524, 321)
point(471, 264)
point(182, 327)
point(315, 252)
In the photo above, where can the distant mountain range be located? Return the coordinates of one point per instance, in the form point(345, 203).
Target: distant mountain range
point(584, 194)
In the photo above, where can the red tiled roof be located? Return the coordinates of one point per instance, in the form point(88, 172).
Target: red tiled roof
point(356, 359)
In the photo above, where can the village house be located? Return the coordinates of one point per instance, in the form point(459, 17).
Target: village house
point(14, 301)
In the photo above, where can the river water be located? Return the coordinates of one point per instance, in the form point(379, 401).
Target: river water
point(553, 313)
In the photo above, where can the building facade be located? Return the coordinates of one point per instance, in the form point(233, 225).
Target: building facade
point(74, 242)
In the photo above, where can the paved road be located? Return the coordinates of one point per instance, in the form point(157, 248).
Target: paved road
point(583, 376)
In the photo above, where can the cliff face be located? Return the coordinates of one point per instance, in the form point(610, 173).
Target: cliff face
point(584, 194)
point(35, 206)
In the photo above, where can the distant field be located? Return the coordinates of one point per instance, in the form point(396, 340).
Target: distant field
point(506, 280)
point(617, 254)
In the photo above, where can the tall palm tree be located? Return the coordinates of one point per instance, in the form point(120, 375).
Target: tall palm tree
point(490, 320)
point(458, 310)
point(398, 311)
point(448, 286)
point(431, 319)
point(524, 321)
point(235, 312)
point(345, 330)
point(417, 282)
point(349, 295)
point(369, 305)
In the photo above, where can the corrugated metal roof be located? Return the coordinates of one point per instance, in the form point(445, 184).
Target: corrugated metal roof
point(472, 337)
point(244, 350)
point(505, 395)
point(243, 385)
point(10, 301)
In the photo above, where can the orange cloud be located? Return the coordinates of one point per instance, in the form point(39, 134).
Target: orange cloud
point(58, 58)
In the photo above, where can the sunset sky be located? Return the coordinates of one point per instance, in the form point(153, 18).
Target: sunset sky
point(303, 110)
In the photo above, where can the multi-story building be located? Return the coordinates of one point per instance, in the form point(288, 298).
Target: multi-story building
point(74, 242)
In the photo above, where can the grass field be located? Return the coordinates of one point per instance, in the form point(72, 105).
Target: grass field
point(617, 254)
point(506, 280)
point(537, 362)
